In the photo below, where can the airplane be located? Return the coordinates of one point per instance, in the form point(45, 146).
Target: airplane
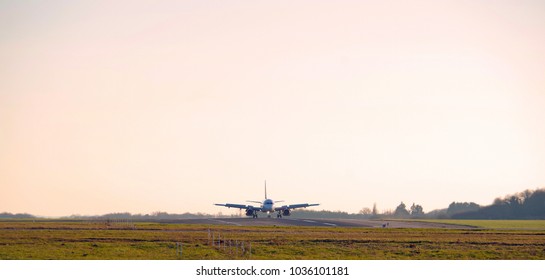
point(267, 206)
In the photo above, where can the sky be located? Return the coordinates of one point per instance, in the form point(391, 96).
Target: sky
point(143, 106)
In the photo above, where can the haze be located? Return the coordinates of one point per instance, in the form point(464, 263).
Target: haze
point(145, 106)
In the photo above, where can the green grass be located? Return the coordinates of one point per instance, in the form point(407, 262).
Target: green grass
point(80, 240)
point(496, 224)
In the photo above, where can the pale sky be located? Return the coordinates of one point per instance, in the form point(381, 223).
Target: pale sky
point(145, 106)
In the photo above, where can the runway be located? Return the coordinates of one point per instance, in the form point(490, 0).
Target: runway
point(316, 223)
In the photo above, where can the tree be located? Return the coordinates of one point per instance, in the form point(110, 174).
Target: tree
point(365, 211)
point(461, 207)
point(417, 210)
point(375, 211)
point(401, 210)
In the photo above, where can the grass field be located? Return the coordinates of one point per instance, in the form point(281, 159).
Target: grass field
point(83, 240)
point(496, 224)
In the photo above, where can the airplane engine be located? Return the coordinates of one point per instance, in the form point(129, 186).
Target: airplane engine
point(286, 212)
point(250, 212)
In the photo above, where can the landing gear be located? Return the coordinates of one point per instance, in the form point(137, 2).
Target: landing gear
point(279, 215)
point(254, 216)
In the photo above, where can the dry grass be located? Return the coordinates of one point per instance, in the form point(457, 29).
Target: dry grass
point(81, 240)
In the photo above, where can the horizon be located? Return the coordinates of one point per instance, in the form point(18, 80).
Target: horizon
point(380, 211)
point(136, 106)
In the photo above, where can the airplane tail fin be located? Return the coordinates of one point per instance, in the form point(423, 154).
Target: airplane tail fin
point(265, 189)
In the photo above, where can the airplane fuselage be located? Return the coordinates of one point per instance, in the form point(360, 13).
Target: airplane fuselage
point(267, 206)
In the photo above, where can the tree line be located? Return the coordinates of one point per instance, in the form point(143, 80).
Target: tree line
point(524, 205)
point(6, 215)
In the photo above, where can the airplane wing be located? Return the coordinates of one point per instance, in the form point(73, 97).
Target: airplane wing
point(239, 206)
point(293, 206)
point(253, 201)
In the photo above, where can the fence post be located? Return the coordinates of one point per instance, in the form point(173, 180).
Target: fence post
point(179, 249)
